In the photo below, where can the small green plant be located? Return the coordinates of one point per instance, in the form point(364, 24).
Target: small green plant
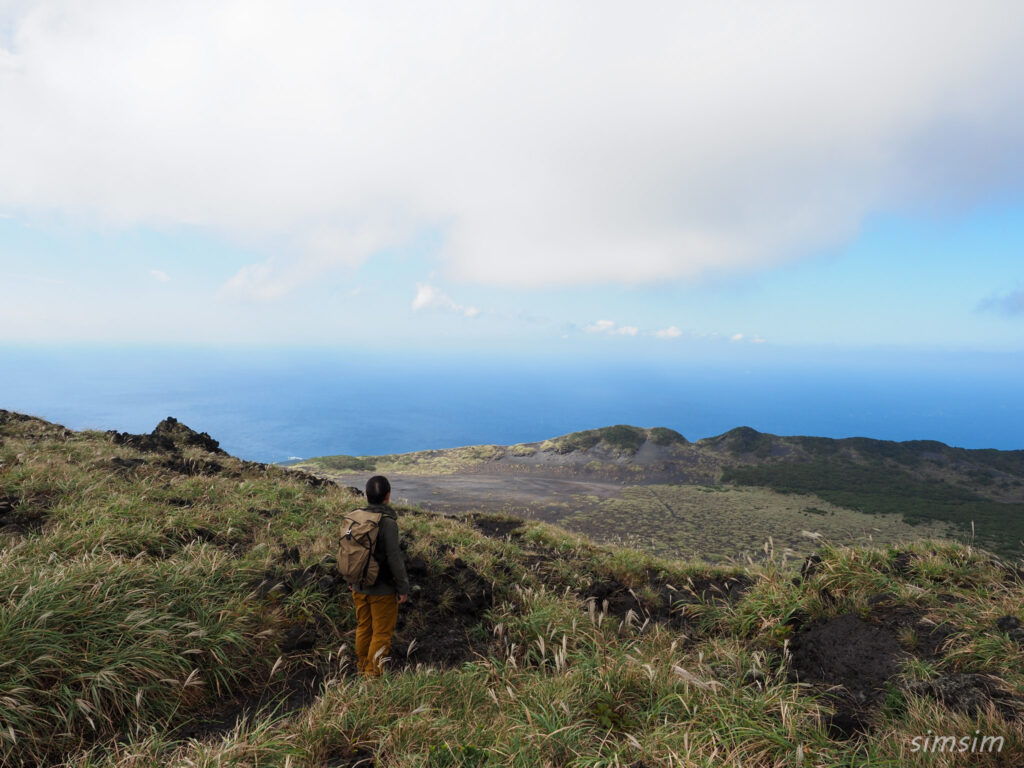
point(895, 703)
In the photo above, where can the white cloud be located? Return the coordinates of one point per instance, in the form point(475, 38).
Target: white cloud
point(160, 275)
point(601, 326)
point(549, 143)
point(428, 297)
point(609, 327)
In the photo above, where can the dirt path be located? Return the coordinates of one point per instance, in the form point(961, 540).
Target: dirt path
point(671, 512)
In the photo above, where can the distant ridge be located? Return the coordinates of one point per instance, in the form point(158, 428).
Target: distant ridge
point(920, 480)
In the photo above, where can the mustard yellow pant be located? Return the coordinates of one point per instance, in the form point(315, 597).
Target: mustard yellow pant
point(375, 616)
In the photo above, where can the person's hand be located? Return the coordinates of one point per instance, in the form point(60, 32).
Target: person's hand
point(402, 599)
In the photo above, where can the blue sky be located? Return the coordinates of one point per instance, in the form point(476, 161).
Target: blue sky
point(686, 181)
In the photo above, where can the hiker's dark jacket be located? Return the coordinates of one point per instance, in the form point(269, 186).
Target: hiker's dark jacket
point(392, 578)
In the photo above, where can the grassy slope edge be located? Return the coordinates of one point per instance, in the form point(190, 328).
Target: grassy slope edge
point(150, 595)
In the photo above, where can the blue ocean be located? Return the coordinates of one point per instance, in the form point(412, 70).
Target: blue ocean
point(277, 404)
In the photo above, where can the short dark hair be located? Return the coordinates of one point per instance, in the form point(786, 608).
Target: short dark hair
point(377, 489)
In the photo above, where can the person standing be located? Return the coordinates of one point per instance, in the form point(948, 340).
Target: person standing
point(377, 604)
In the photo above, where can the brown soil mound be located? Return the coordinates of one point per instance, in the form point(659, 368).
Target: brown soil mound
point(854, 659)
point(847, 651)
point(496, 528)
point(21, 516)
point(296, 691)
point(441, 622)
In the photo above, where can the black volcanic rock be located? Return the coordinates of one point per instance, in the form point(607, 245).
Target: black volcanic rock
point(180, 434)
point(169, 435)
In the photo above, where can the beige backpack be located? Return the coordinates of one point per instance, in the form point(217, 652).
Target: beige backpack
point(356, 562)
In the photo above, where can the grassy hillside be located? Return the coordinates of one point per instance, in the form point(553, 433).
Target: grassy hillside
point(166, 604)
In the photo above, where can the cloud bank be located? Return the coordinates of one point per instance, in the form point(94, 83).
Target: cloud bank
point(548, 143)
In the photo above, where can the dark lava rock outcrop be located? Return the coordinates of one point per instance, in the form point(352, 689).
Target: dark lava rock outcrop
point(169, 435)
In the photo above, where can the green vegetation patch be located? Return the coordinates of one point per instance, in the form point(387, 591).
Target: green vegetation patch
point(718, 523)
point(878, 489)
point(746, 440)
point(665, 436)
point(621, 438)
point(342, 463)
point(440, 462)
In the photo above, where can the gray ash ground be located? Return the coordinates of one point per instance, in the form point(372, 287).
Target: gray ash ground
point(532, 497)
